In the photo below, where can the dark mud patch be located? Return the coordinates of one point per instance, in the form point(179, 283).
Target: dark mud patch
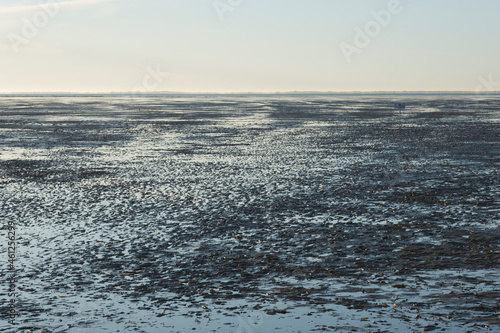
point(43, 170)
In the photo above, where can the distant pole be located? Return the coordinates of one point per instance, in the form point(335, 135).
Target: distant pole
point(399, 106)
point(400, 117)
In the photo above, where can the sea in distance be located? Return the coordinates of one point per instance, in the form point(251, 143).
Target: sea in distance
point(249, 213)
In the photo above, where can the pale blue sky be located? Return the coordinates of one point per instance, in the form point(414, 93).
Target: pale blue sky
point(257, 46)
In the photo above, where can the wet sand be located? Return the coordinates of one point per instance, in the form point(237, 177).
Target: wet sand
point(251, 214)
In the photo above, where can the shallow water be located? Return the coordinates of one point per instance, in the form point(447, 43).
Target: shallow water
point(251, 214)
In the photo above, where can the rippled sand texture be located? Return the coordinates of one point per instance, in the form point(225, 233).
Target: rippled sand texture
point(251, 214)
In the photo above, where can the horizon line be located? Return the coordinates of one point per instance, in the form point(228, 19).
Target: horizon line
point(294, 92)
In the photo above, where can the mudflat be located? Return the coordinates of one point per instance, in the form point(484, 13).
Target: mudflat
point(250, 214)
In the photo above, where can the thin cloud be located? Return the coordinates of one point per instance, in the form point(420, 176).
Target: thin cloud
point(32, 47)
point(84, 2)
point(74, 3)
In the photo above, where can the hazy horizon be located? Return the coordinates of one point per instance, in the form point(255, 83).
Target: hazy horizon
point(291, 93)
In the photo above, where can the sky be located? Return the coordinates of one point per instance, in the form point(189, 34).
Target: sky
point(249, 45)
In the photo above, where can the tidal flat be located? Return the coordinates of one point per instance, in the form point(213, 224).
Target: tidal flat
point(251, 213)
